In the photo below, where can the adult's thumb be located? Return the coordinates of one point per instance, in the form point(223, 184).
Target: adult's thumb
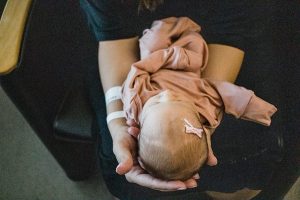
point(125, 160)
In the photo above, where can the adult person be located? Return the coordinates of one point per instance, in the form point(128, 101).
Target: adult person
point(117, 25)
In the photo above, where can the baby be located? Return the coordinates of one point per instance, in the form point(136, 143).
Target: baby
point(175, 108)
point(171, 142)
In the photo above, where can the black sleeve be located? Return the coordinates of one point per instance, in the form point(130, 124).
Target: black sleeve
point(110, 19)
point(230, 22)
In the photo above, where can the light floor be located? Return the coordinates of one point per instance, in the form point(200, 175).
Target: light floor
point(29, 172)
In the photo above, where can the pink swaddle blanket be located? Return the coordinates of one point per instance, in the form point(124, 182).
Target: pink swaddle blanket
point(173, 55)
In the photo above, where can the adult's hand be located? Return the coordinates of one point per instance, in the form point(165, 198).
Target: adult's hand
point(139, 176)
point(124, 147)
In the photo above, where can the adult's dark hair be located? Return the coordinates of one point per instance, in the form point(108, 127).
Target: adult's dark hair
point(149, 4)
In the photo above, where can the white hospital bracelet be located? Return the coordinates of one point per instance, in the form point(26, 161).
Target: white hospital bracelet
point(115, 115)
point(113, 94)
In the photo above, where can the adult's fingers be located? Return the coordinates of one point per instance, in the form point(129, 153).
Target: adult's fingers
point(196, 176)
point(131, 122)
point(134, 131)
point(137, 175)
point(124, 167)
point(190, 183)
point(211, 158)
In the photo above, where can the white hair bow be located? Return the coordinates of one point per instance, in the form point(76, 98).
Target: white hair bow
point(189, 128)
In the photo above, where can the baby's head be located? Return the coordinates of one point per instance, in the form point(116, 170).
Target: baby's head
point(172, 144)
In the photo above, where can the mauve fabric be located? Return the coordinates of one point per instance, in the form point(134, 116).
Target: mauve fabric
point(173, 55)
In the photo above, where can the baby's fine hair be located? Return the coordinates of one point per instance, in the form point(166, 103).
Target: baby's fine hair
point(177, 156)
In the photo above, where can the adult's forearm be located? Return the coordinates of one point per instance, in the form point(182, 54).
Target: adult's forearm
point(115, 59)
point(224, 62)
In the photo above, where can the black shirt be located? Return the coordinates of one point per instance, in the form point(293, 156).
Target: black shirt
point(226, 22)
point(247, 153)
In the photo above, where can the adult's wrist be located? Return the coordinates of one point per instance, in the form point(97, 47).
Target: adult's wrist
point(117, 127)
point(115, 114)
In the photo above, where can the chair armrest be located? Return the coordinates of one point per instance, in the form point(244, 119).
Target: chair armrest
point(74, 119)
point(12, 25)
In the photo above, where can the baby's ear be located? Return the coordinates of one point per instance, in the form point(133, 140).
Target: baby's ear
point(141, 163)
